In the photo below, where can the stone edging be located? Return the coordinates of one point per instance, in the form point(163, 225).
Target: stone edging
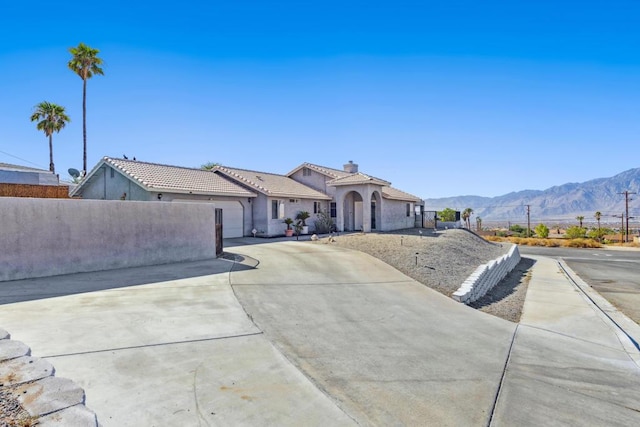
point(487, 276)
point(50, 400)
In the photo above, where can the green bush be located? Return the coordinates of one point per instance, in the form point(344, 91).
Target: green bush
point(542, 231)
point(575, 232)
point(447, 215)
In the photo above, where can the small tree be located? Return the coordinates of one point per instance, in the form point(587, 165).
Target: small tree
point(447, 215)
point(580, 218)
point(542, 231)
point(209, 166)
point(574, 232)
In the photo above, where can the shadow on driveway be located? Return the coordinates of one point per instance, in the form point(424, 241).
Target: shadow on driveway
point(70, 284)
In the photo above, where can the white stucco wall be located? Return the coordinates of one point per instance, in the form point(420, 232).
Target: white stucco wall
point(46, 237)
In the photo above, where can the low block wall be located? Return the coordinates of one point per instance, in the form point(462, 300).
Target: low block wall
point(487, 276)
point(47, 237)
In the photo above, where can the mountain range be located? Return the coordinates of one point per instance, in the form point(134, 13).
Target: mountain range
point(559, 203)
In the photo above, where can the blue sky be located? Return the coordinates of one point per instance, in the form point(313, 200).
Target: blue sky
point(442, 98)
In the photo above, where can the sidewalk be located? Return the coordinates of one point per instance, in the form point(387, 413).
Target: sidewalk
point(569, 364)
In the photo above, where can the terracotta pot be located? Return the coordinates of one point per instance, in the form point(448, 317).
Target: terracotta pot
point(288, 233)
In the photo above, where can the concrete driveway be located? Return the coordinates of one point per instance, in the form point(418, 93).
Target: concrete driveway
point(309, 334)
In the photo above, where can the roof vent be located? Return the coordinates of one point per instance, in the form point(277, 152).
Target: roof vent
point(351, 167)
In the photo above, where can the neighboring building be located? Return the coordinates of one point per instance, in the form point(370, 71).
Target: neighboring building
point(16, 174)
point(260, 201)
point(113, 179)
point(24, 181)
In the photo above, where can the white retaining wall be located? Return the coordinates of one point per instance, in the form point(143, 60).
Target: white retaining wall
point(487, 276)
point(47, 237)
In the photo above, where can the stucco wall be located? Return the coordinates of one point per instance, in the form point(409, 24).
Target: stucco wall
point(394, 215)
point(103, 186)
point(316, 180)
point(45, 237)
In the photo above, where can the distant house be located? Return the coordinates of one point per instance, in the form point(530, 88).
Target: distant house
point(24, 181)
point(253, 200)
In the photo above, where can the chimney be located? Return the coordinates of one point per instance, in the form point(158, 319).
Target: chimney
point(351, 167)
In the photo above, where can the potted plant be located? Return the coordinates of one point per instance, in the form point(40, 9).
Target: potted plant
point(303, 216)
point(289, 231)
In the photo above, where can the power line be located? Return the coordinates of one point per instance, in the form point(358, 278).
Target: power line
point(20, 158)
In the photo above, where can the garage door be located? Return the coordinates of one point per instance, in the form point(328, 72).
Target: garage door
point(232, 218)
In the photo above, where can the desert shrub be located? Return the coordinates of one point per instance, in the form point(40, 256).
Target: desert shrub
point(542, 231)
point(575, 232)
point(581, 243)
point(594, 233)
point(324, 223)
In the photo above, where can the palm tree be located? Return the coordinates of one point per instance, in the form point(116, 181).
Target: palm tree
point(466, 214)
point(580, 218)
point(478, 223)
point(85, 63)
point(52, 119)
point(598, 216)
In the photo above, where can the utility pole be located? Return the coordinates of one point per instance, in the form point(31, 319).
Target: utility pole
point(528, 220)
point(621, 216)
point(626, 204)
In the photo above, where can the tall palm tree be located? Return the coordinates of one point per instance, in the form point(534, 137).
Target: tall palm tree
point(52, 119)
point(85, 63)
point(598, 216)
point(580, 218)
point(466, 214)
point(478, 223)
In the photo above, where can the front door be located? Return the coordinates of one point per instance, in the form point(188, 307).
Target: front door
point(373, 215)
point(218, 232)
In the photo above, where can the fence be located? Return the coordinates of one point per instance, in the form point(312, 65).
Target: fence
point(32, 190)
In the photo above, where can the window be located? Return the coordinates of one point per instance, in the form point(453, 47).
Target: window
point(316, 207)
point(294, 201)
point(408, 209)
point(306, 172)
point(333, 210)
point(274, 209)
point(112, 172)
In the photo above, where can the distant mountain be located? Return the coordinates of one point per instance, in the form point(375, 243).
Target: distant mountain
point(562, 202)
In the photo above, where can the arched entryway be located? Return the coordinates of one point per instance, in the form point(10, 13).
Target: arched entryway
point(353, 213)
point(376, 203)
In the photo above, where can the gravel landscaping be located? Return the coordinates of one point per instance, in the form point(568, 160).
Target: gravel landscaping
point(442, 260)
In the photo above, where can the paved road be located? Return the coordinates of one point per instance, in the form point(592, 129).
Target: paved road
point(615, 274)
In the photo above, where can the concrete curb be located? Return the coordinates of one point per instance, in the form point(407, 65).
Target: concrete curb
point(627, 330)
point(30, 380)
point(487, 276)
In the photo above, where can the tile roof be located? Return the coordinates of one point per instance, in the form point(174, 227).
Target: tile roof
point(9, 166)
point(395, 194)
point(341, 177)
point(176, 179)
point(357, 178)
point(271, 184)
point(331, 172)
